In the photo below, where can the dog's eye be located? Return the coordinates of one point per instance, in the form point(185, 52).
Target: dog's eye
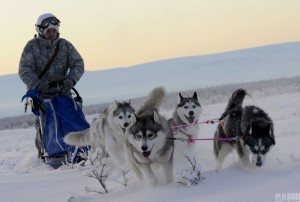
point(120, 117)
point(150, 135)
point(194, 106)
point(129, 116)
point(265, 150)
point(138, 136)
point(255, 151)
point(185, 107)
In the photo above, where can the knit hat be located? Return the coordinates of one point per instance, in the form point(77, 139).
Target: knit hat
point(45, 22)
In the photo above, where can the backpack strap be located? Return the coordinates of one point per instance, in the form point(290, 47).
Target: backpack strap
point(49, 62)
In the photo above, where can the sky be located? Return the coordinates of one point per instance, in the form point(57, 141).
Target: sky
point(113, 33)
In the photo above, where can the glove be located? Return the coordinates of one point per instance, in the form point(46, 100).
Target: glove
point(66, 86)
point(43, 86)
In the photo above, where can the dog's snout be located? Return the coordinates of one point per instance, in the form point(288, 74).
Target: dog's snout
point(191, 113)
point(126, 125)
point(258, 163)
point(144, 148)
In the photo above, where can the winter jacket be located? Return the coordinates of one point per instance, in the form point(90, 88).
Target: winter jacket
point(67, 64)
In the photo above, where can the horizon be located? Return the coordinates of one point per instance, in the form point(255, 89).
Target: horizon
point(259, 63)
point(180, 57)
point(135, 32)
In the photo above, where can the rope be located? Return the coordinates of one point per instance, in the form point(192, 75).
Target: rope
point(192, 140)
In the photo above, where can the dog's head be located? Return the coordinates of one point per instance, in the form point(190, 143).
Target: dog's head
point(259, 139)
point(189, 108)
point(123, 114)
point(148, 133)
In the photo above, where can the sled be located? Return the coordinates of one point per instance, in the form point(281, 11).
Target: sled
point(63, 114)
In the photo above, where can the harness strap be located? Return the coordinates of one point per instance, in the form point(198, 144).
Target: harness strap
point(192, 140)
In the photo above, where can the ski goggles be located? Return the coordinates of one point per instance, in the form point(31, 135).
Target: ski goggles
point(46, 22)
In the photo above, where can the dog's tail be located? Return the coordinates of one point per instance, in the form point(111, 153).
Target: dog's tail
point(81, 138)
point(236, 99)
point(153, 100)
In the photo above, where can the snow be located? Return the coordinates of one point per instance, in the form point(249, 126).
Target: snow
point(24, 178)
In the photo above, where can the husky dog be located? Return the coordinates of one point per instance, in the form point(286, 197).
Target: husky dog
point(184, 124)
point(186, 115)
point(252, 127)
point(106, 133)
point(258, 133)
point(148, 140)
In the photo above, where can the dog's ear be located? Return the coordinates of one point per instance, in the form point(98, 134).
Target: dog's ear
point(270, 129)
point(134, 119)
point(273, 141)
point(114, 105)
point(195, 96)
point(222, 124)
point(156, 117)
point(180, 96)
point(271, 133)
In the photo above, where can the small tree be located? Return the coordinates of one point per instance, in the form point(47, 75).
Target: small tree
point(70, 162)
point(191, 175)
point(125, 178)
point(98, 170)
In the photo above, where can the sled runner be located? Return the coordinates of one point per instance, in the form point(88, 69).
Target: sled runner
point(63, 115)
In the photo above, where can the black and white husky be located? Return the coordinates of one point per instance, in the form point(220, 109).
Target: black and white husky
point(252, 127)
point(106, 133)
point(148, 140)
point(184, 124)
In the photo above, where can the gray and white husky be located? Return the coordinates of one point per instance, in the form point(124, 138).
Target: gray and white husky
point(106, 134)
point(186, 116)
point(184, 125)
point(148, 140)
point(252, 127)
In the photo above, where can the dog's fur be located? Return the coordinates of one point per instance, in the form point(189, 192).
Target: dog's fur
point(186, 116)
point(106, 134)
point(147, 140)
point(252, 126)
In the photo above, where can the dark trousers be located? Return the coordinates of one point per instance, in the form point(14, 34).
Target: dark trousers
point(39, 139)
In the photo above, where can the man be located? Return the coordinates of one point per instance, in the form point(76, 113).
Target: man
point(51, 64)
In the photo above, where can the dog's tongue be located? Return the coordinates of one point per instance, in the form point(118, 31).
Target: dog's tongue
point(146, 154)
point(124, 130)
point(191, 119)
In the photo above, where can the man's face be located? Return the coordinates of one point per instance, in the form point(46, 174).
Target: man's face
point(51, 34)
